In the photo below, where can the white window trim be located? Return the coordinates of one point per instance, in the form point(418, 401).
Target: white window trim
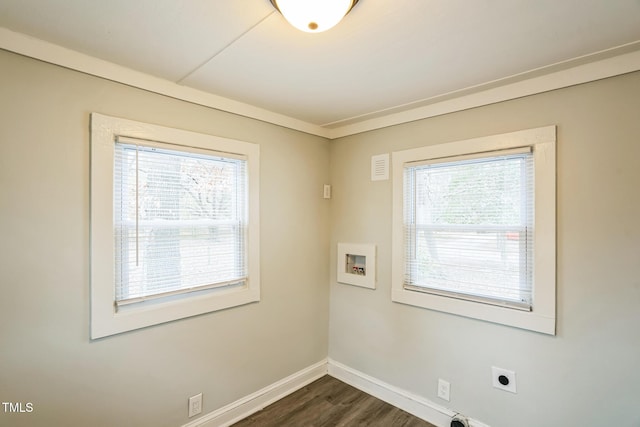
point(105, 320)
point(542, 317)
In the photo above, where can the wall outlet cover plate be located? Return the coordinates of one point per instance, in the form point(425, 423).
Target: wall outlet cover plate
point(503, 379)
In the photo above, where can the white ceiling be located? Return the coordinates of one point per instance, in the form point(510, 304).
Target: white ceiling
point(385, 56)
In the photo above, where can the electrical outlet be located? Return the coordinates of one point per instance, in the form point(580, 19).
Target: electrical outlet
point(443, 389)
point(195, 405)
point(504, 379)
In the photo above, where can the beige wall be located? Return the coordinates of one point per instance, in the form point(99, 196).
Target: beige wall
point(588, 374)
point(141, 378)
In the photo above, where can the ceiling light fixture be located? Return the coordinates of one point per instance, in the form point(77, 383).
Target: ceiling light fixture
point(313, 16)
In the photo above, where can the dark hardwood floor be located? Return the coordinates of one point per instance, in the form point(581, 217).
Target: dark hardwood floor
point(330, 402)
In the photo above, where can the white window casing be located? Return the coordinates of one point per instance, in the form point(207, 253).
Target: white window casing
point(153, 260)
point(529, 271)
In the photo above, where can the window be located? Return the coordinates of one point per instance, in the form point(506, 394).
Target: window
point(468, 227)
point(474, 228)
point(174, 224)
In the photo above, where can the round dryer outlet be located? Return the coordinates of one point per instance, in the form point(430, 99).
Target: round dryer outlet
point(459, 421)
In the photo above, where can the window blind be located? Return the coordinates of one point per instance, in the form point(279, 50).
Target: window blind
point(468, 227)
point(180, 219)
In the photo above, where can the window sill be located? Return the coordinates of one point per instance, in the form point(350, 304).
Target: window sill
point(107, 321)
point(530, 320)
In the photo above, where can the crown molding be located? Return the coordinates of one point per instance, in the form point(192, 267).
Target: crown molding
point(611, 62)
point(67, 58)
point(601, 65)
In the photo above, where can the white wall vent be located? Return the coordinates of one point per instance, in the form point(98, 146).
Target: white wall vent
point(380, 167)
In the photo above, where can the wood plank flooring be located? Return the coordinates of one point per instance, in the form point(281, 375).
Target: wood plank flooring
point(330, 402)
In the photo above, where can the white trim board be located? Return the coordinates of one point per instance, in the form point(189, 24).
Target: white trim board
point(618, 60)
point(54, 54)
point(586, 72)
point(242, 408)
point(409, 402)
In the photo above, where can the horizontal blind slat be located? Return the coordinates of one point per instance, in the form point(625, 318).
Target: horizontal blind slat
point(129, 301)
point(180, 219)
point(469, 226)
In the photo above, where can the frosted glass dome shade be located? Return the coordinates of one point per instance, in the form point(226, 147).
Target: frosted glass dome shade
point(313, 16)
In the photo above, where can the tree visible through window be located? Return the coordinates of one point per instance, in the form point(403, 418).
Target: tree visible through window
point(473, 228)
point(180, 221)
point(175, 224)
point(470, 227)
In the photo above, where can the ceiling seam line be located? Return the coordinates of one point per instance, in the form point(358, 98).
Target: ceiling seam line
point(208, 60)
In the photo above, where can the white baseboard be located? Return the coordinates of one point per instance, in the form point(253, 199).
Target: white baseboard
point(413, 404)
point(254, 402)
